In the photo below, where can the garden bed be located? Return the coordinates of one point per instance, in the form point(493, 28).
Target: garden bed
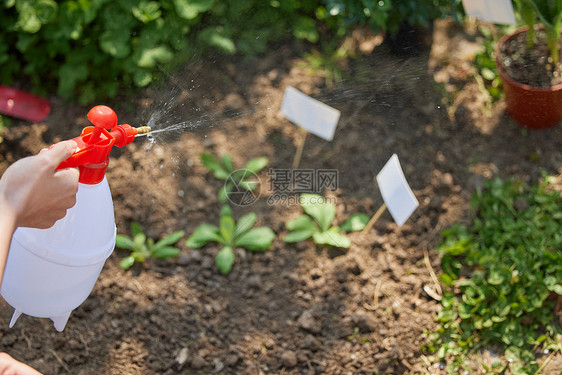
point(297, 308)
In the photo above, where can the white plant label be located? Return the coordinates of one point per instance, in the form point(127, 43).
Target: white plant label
point(310, 114)
point(495, 11)
point(396, 193)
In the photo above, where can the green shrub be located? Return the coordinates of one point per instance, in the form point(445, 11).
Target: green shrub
point(91, 49)
point(501, 273)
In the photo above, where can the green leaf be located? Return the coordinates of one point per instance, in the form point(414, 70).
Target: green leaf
point(142, 78)
point(306, 28)
point(257, 239)
point(257, 164)
point(496, 277)
point(302, 222)
point(34, 14)
point(136, 228)
point(165, 252)
point(355, 223)
point(213, 165)
point(147, 11)
point(227, 163)
point(214, 36)
point(226, 211)
point(299, 235)
point(488, 74)
point(124, 242)
point(245, 223)
point(139, 239)
point(331, 238)
point(202, 235)
point(115, 43)
point(226, 229)
point(225, 259)
point(149, 57)
point(553, 284)
point(70, 75)
point(170, 239)
point(224, 192)
point(189, 9)
point(322, 211)
point(127, 262)
point(249, 185)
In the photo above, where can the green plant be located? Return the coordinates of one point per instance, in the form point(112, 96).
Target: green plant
point(143, 248)
point(242, 178)
point(419, 13)
point(487, 75)
point(91, 50)
point(549, 14)
point(501, 273)
point(230, 235)
point(329, 61)
point(316, 222)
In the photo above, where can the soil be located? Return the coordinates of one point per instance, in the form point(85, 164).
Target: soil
point(298, 308)
point(534, 65)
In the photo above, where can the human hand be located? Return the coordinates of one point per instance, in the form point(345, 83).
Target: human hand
point(9, 366)
point(35, 193)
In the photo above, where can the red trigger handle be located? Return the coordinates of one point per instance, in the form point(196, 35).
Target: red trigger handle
point(95, 142)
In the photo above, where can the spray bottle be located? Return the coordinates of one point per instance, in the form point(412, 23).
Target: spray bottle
point(50, 272)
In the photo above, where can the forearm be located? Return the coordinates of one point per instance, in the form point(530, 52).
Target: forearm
point(7, 228)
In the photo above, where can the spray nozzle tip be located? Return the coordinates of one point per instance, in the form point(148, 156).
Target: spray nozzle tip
point(143, 130)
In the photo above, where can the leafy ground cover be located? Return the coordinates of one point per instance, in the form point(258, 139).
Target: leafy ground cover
point(296, 308)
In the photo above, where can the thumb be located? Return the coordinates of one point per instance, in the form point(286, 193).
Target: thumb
point(60, 152)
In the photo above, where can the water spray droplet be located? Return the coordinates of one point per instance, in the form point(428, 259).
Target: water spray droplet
point(181, 193)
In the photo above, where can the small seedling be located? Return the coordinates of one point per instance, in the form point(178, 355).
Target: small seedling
point(242, 178)
point(231, 235)
point(316, 222)
point(143, 248)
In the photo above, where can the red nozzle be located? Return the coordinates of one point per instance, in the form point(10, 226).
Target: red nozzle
point(95, 143)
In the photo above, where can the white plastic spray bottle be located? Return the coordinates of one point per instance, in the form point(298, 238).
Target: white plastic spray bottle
point(50, 272)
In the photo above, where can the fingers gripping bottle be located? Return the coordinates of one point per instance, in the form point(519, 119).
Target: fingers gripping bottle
point(50, 272)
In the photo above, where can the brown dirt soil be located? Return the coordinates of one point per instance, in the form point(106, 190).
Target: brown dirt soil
point(298, 308)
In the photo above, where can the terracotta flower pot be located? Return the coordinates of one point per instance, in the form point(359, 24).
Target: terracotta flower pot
point(531, 107)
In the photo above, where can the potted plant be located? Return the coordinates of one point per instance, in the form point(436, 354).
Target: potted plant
point(528, 62)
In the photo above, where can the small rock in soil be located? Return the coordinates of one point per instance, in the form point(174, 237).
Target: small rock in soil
point(198, 362)
point(311, 343)
point(254, 282)
point(232, 359)
point(289, 359)
point(182, 357)
point(308, 322)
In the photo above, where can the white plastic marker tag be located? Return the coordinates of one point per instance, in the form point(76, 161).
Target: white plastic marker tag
point(396, 192)
point(495, 11)
point(310, 114)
